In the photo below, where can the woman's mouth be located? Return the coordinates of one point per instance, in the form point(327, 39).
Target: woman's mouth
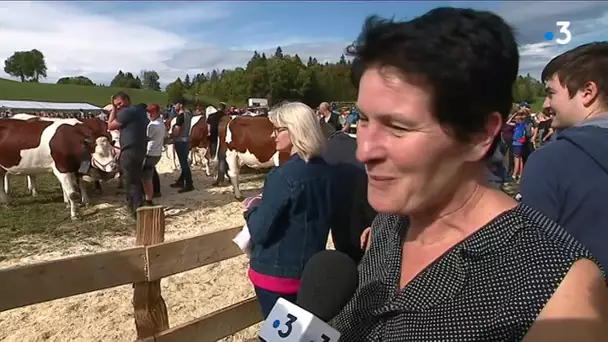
point(380, 181)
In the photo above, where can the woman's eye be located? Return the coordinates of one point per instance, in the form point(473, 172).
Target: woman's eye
point(399, 128)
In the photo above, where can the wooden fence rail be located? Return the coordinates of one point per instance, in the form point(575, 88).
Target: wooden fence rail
point(143, 266)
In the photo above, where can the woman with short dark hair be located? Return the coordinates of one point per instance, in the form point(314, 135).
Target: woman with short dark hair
point(452, 259)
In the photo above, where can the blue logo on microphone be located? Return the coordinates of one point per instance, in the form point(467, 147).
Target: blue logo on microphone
point(276, 323)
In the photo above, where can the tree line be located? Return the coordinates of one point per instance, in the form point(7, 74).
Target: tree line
point(278, 77)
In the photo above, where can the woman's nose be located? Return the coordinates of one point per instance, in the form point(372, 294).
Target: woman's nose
point(370, 145)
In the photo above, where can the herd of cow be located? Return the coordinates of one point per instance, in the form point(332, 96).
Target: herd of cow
point(31, 145)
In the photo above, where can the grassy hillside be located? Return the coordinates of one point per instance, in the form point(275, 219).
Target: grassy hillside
point(99, 96)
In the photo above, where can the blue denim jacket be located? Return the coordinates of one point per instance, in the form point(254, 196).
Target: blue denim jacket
point(292, 221)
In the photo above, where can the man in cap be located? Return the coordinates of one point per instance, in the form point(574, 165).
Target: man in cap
point(181, 138)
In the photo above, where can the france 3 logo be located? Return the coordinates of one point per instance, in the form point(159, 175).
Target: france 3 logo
point(564, 31)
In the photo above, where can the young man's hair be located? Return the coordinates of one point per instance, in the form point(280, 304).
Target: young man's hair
point(466, 59)
point(579, 66)
point(122, 95)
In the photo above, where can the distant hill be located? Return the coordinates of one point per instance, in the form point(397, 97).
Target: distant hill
point(99, 96)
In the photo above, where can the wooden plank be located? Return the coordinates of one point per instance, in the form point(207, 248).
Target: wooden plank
point(182, 255)
point(216, 325)
point(150, 310)
point(41, 282)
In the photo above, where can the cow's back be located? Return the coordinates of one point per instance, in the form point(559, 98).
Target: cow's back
point(199, 132)
point(25, 145)
point(249, 134)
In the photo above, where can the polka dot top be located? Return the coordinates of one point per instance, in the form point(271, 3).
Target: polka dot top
point(489, 287)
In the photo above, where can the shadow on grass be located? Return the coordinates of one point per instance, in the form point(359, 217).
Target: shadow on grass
point(29, 223)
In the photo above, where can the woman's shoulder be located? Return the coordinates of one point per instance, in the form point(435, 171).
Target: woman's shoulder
point(297, 169)
point(532, 240)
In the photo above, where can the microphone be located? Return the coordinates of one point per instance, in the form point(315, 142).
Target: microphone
point(329, 280)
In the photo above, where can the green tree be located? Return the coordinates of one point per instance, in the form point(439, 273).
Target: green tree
point(149, 80)
point(26, 65)
point(80, 80)
point(175, 89)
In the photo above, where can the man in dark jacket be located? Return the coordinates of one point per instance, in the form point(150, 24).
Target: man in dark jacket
point(132, 121)
point(567, 180)
point(352, 212)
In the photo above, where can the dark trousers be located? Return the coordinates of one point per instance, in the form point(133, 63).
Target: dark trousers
point(267, 299)
point(156, 182)
point(131, 165)
point(181, 149)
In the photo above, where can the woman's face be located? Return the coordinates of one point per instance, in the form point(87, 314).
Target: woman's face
point(282, 139)
point(412, 163)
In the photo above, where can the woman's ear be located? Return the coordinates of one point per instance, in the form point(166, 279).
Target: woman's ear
point(482, 141)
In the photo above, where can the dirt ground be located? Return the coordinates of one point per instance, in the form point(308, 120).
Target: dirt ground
point(39, 229)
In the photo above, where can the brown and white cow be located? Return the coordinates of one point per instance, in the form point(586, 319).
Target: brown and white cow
point(246, 140)
point(91, 128)
point(33, 147)
point(199, 143)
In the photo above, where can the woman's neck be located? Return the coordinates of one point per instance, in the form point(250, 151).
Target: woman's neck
point(469, 207)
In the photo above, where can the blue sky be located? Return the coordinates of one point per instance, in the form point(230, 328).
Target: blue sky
point(96, 39)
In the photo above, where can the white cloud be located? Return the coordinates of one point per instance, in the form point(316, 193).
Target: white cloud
point(75, 41)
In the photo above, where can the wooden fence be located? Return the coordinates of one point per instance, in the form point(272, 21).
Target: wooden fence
point(143, 266)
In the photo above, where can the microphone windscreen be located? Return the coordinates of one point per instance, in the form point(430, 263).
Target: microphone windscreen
point(329, 280)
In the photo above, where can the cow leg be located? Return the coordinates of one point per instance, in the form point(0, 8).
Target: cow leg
point(31, 185)
point(194, 153)
point(3, 193)
point(232, 160)
point(84, 194)
point(191, 160)
point(173, 156)
point(7, 183)
point(68, 184)
point(205, 161)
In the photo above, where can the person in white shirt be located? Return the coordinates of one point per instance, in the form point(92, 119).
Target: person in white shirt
point(156, 136)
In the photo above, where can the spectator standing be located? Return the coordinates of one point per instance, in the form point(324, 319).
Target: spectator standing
point(351, 212)
point(132, 122)
point(292, 220)
point(567, 180)
point(328, 116)
point(181, 138)
point(156, 137)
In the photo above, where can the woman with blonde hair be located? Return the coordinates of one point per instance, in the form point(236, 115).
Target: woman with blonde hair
point(291, 222)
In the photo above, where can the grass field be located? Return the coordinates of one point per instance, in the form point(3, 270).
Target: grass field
point(99, 96)
point(27, 221)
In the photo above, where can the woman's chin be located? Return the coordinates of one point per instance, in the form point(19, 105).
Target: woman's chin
point(384, 203)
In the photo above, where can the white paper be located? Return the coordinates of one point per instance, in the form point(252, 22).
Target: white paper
point(243, 240)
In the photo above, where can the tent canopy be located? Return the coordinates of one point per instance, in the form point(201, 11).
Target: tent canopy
point(59, 106)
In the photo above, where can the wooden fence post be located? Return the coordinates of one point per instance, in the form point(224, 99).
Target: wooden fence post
point(150, 311)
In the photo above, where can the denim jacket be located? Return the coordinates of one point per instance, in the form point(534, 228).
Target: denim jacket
point(292, 221)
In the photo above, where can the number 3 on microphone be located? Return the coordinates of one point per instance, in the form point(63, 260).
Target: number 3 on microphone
point(289, 325)
point(324, 338)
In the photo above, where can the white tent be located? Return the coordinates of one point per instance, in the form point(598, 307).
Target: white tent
point(59, 106)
